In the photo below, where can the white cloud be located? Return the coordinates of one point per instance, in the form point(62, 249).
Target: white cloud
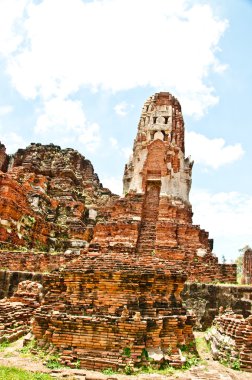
point(13, 142)
point(227, 217)
point(90, 137)
point(66, 120)
point(122, 108)
point(11, 13)
point(113, 142)
point(127, 152)
point(211, 152)
point(124, 151)
point(60, 113)
point(5, 110)
point(109, 44)
point(114, 184)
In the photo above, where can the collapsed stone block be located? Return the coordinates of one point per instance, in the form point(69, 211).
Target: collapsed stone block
point(231, 340)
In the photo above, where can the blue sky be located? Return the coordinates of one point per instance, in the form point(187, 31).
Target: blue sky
point(77, 72)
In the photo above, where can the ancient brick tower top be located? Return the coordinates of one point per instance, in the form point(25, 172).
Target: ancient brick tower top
point(158, 152)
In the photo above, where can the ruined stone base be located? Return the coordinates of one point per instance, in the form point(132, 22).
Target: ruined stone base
point(113, 342)
point(16, 311)
point(110, 311)
point(231, 339)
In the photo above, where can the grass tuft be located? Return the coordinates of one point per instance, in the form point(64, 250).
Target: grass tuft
point(12, 373)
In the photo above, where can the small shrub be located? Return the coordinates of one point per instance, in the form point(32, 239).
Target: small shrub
point(108, 371)
point(127, 352)
point(53, 362)
point(128, 370)
point(191, 360)
point(145, 354)
point(236, 365)
point(227, 361)
point(26, 350)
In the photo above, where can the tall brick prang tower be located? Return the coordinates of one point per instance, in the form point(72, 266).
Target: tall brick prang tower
point(158, 152)
point(160, 174)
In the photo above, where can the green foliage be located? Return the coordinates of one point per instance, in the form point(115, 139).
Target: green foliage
point(31, 219)
point(127, 352)
point(109, 371)
point(229, 362)
point(187, 347)
point(4, 345)
point(53, 362)
point(169, 350)
point(128, 370)
point(26, 350)
point(191, 360)
point(41, 247)
point(202, 345)
point(145, 354)
point(236, 365)
point(166, 369)
point(12, 373)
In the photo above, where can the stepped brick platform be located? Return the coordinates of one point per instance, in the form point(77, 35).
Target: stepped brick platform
point(231, 339)
point(115, 309)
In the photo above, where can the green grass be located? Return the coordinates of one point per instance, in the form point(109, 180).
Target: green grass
point(191, 360)
point(32, 351)
point(12, 373)
point(166, 370)
point(109, 371)
point(4, 345)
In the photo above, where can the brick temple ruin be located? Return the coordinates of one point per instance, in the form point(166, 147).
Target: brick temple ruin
point(117, 265)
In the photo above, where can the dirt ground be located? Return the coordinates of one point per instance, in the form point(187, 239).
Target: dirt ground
point(210, 370)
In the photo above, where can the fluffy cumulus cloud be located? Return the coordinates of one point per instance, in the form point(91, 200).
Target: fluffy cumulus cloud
point(66, 119)
point(211, 153)
point(122, 109)
point(227, 216)
point(14, 141)
point(125, 152)
point(11, 16)
point(5, 110)
point(53, 48)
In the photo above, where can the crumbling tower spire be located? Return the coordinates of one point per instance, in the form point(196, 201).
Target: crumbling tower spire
point(158, 152)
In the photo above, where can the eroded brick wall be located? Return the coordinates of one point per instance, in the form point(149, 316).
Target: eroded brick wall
point(231, 339)
point(34, 261)
point(205, 300)
point(103, 304)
